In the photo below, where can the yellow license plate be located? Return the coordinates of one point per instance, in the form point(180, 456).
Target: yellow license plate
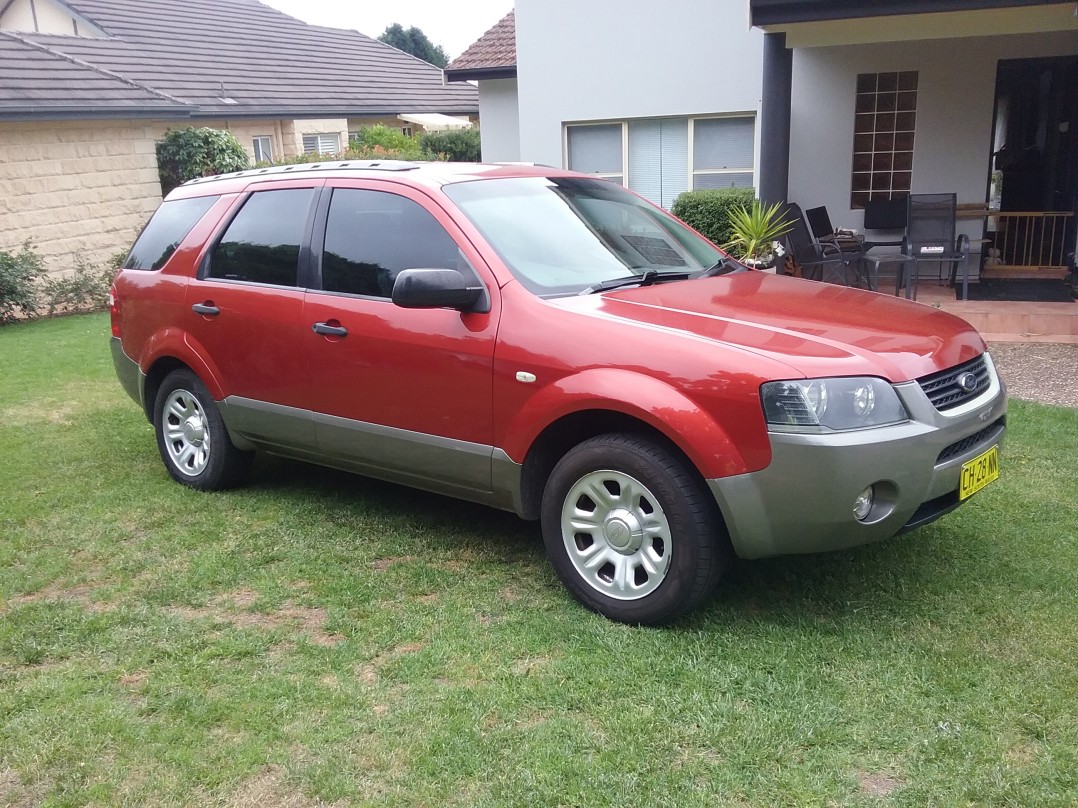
point(978, 473)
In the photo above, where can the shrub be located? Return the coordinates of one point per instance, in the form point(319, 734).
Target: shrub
point(86, 288)
point(461, 145)
point(183, 154)
point(389, 140)
point(19, 275)
point(709, 210)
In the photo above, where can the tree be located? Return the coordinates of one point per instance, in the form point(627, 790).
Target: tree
point(415, 42)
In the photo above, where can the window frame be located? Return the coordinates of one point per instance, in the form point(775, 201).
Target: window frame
point(691, 171)
point(867, 156)
point(303, 263)
point(336, 136)
point(262, 144)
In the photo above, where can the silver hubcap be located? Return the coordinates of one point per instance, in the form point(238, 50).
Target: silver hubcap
point(616, 534)
point(187, 434)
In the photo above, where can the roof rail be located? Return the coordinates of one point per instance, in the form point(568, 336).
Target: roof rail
point(326, 165)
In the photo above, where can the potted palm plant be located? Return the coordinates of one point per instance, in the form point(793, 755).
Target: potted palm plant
point(754, 231)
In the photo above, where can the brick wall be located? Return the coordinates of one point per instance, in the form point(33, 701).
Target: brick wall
point(76, 187)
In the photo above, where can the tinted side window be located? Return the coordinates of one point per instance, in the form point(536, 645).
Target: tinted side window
point(371, 236)
point(262, 243)
point(164, 232)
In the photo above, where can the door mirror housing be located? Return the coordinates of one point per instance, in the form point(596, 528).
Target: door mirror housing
point(438, 289)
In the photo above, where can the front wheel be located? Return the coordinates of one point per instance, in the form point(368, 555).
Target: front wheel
point(631, 531)
point(192, 438)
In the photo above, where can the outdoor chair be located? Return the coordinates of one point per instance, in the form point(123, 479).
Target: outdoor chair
point(819, 262)
point(826, 233)
point(931, 234)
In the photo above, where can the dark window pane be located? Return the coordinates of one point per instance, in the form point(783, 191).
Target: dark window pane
point(885, 102)
point(902, 181)
point(864, 123)
point(862, 182)
point(884, 142)
point(903, 161)
point(862, 143)
point(262, 243)
point(371, 236)
point(904, 121)
point(907, 80)
point(888, 82)
point(885, 122)
point(881, 182)
point(858, 199)
point(881, 161)
point(866, 103)
point(862, 162)
point(907, 102)
point(168, 227)
point(903, 141)
point(866, 83)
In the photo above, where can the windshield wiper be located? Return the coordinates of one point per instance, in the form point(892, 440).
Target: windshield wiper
point(724, 266)
point(646, 278)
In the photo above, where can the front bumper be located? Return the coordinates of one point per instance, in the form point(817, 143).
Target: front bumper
point(803, 501)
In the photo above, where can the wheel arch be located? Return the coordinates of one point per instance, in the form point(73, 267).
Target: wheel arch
point(169, 350)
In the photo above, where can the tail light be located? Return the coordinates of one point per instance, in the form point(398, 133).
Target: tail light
point(114, 311)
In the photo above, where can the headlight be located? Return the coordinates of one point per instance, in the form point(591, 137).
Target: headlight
point(812, 404)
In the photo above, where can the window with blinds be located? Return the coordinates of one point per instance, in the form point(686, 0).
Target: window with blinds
point(660, 158)
point(327, 143)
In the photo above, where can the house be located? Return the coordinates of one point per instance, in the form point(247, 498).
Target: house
point(88, 86)
point(821, 102)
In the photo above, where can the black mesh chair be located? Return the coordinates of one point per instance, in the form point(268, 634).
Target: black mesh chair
point(818, 262)
point(931, 234)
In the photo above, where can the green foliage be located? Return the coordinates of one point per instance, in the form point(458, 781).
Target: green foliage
point(19, 274)
point(183, 154)
point(85, 288)
point(27, 289)
point(460, 145)
point(372, 138)
point(754, 228)
point(415, 42)
point(709, 210)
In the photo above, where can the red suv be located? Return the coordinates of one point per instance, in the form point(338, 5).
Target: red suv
point(550, 344)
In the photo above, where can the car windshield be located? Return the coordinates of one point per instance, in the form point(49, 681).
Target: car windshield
point(561, 235)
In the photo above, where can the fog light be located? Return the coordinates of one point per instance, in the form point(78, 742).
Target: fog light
point(862, 506)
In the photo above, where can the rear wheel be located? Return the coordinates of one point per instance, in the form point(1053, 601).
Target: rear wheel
point(192, 438)
point(631, 531)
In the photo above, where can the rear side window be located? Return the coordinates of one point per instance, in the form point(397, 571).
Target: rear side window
point(168, 227)
point(371, 236)
point(262, 243)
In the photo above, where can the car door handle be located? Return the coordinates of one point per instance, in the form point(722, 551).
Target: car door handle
point(208, 309)
point(330, 330)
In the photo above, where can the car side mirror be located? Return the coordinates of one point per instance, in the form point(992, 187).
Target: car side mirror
point(437, 289)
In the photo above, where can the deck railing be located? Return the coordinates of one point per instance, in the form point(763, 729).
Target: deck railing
point(1036, 240)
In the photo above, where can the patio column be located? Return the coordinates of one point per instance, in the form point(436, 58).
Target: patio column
point(775, 123)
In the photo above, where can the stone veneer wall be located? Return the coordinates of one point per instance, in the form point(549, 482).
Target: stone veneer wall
point(77, 187)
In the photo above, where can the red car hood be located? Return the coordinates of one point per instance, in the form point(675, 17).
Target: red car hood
point(818, 329)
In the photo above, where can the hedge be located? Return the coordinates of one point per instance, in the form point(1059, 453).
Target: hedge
point(709, 210)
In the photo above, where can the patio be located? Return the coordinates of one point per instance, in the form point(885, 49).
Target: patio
point(1006, 321)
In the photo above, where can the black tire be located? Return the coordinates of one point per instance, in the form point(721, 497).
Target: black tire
point(192, 438)
point(652, 519)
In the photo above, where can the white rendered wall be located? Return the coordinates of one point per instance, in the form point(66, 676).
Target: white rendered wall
point(499, 121)
point(620, 59)
point(955, 98)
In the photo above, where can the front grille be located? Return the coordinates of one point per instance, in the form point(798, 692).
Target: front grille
point(964, 445)
point(943, 389)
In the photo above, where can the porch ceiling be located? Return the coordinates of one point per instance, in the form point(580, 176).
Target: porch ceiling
point(807, 29)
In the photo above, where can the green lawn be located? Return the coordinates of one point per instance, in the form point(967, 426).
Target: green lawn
point(321, 637)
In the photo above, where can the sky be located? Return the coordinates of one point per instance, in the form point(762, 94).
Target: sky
point(454, 26)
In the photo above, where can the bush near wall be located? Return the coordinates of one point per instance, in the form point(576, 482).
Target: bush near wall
point(708, 211)
point(184, 154)
point(458, 145)
point(27, 291)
